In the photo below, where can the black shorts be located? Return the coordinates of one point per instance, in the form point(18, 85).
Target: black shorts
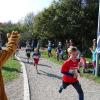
point(28, 55)
point(49, 51)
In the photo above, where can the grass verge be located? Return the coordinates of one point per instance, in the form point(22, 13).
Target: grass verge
point(11, 70)
point(53, 58)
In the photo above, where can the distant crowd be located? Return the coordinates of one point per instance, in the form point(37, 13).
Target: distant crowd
point(61, 53)
point(74, 60)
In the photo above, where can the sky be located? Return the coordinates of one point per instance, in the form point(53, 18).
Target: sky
point(15, 10)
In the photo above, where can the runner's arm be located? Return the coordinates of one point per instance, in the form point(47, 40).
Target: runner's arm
point(65, 69)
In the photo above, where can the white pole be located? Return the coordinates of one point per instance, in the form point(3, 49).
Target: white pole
point(98, 44)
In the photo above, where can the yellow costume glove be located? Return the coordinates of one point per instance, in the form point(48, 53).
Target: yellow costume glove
point(13, 39)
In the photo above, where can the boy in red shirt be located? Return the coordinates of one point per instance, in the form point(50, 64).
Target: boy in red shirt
point(70, 72)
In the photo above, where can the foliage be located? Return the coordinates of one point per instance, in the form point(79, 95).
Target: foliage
point(24, 27)
point(66, 19)
point(63, 19)
point(7, 27)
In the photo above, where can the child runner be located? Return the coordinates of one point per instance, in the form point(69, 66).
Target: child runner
point(70, 72)
point(36, 56)
point(83, 63)
point(59, 53)
point(28, 52)
point(93, 50)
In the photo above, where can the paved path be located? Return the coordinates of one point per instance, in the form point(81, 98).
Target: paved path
point(44, 86)
point(14, 89)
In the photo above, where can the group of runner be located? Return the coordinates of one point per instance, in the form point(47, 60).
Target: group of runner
point(35, 55)
point(60, 52)
point(71, 67)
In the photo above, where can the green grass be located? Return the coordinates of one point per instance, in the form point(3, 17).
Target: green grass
point(86, 75)
point(89, 59)
point(92, 77)
point(11, 70)
point(53, 58)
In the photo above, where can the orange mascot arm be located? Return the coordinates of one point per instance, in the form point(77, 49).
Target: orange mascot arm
point(12, 44)
point(4, 56)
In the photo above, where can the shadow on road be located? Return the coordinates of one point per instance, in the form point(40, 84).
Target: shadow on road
point(26, 62)
point(23, 57)
point(31, 63)
point(44, 65)
point(11, 69)
point(49, 74)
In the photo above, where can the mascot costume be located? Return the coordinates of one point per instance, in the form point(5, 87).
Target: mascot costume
point(13, 39)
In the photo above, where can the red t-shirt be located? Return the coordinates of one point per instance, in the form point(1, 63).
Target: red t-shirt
point(69, 64)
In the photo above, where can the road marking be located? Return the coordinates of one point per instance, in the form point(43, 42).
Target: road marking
point(26, 84)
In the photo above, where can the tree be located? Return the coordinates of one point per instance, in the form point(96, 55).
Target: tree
point(26, 26)
point(68, 19)
point(6, 28)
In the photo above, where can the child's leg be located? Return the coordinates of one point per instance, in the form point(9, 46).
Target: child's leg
point(64, 85)
point(84, 70)
point(48, 54)
point(62, 57)
point(78, 88)
point(36, 68)
point(28, 59)
point(34, 61)
point(94, 65)
point(58, 57)
point(86, 67)
point(36, 64)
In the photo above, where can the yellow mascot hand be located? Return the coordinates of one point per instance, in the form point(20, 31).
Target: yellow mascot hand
point(13, 39)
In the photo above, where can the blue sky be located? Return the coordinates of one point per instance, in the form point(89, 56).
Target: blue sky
point(14, 10)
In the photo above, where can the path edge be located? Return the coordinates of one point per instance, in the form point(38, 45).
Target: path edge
point(25, 78)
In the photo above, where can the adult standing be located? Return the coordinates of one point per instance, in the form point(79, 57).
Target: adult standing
point(93, 51)
point(71, 43)
point(67, 44)
point(49, 49)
